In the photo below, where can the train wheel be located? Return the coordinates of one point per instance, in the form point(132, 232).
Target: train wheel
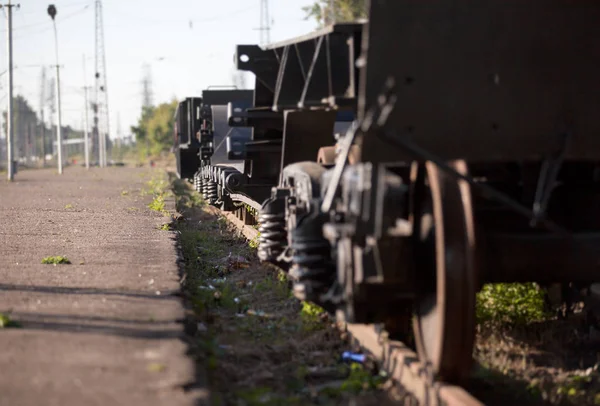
point(444, 322)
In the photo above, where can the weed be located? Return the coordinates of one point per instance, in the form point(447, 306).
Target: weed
point(157, 204)
point(156, 186)
point(7, 322)
point(165, 227)
point(254, 243)
point(124, 193)
point(156, 367)
point(510, 303)
point(360, 379)
point(311, 316)
point(56, 260)
point(69, 206)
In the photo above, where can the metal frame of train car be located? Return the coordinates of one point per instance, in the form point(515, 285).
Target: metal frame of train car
point(214, 135)
point(478, 162)
point(200, 123)
point(186, 145)
point(475, 158)
point(298, 106)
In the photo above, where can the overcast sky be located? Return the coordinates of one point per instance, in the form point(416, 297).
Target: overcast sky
point(189, 45)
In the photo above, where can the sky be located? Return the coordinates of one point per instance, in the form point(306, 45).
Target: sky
point(188, 44)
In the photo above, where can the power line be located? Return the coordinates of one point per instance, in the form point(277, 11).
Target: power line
point(40, 23)
point(216, 18)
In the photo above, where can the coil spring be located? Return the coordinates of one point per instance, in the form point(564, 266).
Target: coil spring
point(211, 189)
point(273, 236)
point(197, 182)
point(205, 189)
point(312, 270)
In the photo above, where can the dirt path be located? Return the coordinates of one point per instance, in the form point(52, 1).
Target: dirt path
point(106, 329)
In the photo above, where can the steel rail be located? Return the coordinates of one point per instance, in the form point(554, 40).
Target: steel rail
point(400, 363)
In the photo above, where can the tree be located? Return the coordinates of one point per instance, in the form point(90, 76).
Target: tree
point(343, 11)
point(160, 128)
point(154, 131)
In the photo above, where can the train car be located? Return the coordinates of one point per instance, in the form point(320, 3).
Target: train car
point(474, 158)
point(185, 144)
point(468, 154)
point(201, 138)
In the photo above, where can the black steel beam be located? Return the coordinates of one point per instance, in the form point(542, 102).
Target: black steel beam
point(314, 70)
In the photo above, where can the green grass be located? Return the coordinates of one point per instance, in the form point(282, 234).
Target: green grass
point(510, 303)
point(56, 260)
point(69, 206)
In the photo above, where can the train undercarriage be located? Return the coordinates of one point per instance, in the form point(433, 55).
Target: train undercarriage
point(392, 179)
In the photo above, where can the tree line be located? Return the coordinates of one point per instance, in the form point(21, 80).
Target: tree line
point(34, 138)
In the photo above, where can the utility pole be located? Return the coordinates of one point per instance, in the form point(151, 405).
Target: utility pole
point(52, 14)
point(119, 130)
point(9, 113)
point(87, 126)
point(147, 99)
point(265, 23)
point(102, 113)
point(43, 122)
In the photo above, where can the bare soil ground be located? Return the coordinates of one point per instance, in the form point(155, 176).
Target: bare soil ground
point(553, 362)
point(259, 344)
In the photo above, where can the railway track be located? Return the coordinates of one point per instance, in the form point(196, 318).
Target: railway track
point(400, 363)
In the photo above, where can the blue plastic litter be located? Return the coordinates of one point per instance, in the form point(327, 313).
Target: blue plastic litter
point(350, 356)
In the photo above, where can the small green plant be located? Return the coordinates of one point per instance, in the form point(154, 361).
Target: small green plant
point(56, 260)
point(124, 193)
point(7, 322)
point(510, 303)
point(360, 379)
point(69, 206)
point(157, 204)
point(254, 243)
point(165, 227)
point(311, 316)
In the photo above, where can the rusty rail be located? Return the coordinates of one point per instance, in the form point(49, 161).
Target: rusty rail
point(398, 361)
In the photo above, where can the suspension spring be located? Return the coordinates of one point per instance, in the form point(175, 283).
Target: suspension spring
point(198, 182)
point(205, 190)
point(273, 236)
point(210, 188)
point(312, 268)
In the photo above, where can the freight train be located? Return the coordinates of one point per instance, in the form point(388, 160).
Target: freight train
point(394, 165)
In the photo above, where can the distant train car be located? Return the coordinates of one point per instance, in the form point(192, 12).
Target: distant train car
point(186, 145)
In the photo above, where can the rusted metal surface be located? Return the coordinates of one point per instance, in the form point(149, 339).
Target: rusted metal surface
point(247, 231)
point(445, 307)
point(404, 367)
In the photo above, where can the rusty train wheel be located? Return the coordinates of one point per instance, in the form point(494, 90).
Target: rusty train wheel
point(444, 322)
